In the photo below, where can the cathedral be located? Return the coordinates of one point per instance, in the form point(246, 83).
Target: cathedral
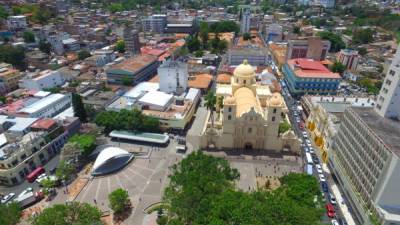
point(249, 118)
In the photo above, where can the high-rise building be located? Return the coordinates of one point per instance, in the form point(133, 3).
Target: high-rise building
point(388, 103)
point(131, 38)
point(349, 58)
point(173, 77)
point(155, 23)
point(245, 21)
point(310, 48)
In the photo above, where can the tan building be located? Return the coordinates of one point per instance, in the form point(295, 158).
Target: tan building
point(250, 117)
point(9, 78)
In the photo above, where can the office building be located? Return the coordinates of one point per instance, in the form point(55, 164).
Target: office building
point(388, 103)
point(173, 77)
point(133, 70)
point(9, 78)
point(309, 48)
point(131, 38)
point(155, 23)
point(245, 21)
point(349, 58)
point(42, 80)
point(307, 76)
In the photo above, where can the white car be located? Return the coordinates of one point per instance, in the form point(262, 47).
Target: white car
point(332, 199)
point(319, 168)
point(311, 150)
point(7, 198)
point(41, 177)
point(27, 190)
point(305, 135)
point(322, 177)
point(334, 222)
point(297, 120)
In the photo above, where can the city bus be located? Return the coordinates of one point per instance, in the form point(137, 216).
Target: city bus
point(309, 158)
point(34, 174)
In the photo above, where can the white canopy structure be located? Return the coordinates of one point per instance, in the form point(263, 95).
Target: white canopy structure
point(110, 160)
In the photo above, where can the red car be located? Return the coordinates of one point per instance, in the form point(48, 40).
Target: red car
point(330, 210)
point(301, 125)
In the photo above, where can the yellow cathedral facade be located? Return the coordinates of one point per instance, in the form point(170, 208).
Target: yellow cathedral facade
point(250, 117)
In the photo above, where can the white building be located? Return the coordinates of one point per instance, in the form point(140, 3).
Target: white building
point(47, 107)
point(17, 22)
point(388, 103)
point(155, 23)
point(173, 77)
point(349, 58)
point(245, 22)
point(71, 44)
point(42, 80)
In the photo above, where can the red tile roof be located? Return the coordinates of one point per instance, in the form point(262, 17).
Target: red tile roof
point(311, 68)
point(43, 124)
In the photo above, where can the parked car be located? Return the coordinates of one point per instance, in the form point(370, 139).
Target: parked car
point(334, 222)
point(322, 177)
point(41, 177)
point(305, 135)
point(319, 168)
point(7, 198)
point(332, 199)
point(312, 150)
point(330, 210)
point(325, 186)
point(29, 189)
point(315, 159)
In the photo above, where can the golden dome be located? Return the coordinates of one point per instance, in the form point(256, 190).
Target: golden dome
point(245, 100)
point(276, 99)
point(229, 101)
point(244, 70)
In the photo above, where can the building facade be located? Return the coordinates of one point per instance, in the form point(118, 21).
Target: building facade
point(309, 48)
point(173, 77)
point(245, 21)
point(155, 23)
point(273, 32)
point(9, 78)
point(16, 23)
point(349, 58)
point(131, 38)
point(47, 107)
point(42, 80)
point(255, 57)
point(250, 117)
point(308, 76)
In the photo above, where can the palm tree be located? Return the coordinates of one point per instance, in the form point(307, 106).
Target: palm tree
point(220, 102)
point(211, 100)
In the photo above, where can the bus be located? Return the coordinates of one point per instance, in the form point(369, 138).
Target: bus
point(309, 169)
point(34, 174)
point(309, 158)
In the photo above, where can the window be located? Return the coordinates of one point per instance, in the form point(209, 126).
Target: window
point(392, 72)
point(249, 130)
point(273, 118)
point(274, 111)
point(388, 82)
point(230, 109)
point(229, 117)
point(244, 81)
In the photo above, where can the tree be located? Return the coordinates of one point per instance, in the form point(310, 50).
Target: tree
point(193, 43)
point(85, 142)
point(28, 36)
point(284, 126)
point(120, 46)
point(79, 109)
point(336, 41)
point(66, 214)
point(151, 124)
point(222, 46)
point(296, 30)
point(10, 213)
point(220, 102)
point(246, 36)
point(64, 170)
point(13, 55)
point(338, 67)
point(118, 200)
point(3, 13)
point(3, 99)
point(203, 31)
point(127, 81)
point(83, 54)
point(362, 51)
point(199, 53)
point(211, 99)
point(265, 6)
point(44, 46)
point(363, 36)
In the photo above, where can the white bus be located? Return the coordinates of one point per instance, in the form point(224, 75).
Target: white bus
point(309, 158)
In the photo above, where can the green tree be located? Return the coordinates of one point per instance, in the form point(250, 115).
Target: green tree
point(3, 99)
point(284, 126)
point(265, 6)
point(211, 100)
point(363, 36)
point(28, 36)
point(336, 41)
point(151, 124)
point(13, 55)
point(127, 81)
point(3, 13)
point(86, 142)
point(246, 36)
point(44, 46)
point(296, 30)
point(199, 53)
point(67, 214)
point(83, 54)
point(203, 31)
point(222, 46)
point(116, 7)
point(10, 213)
point(120, 46)
point(64, 170)
point(338, 67)
point(362, 51)
point(118, 200)
point(79, 109)
point(193, 43)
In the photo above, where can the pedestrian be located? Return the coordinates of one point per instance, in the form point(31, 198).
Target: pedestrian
point(95, 202)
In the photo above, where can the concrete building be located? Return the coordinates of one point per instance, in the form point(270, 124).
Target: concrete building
point(155, 23)
point(249, 118)
point(327, 3)
point(9, 78)
point(309, 48)
point(22, 152)
point(307, 76)
point(349, 58)
point(46, 107)
point(131, 38)
point(16, 23)
point(245, 21)
point(173, 77)
point(273, 32)
point(388, 103)
point(71, 45)
point(38, 59)
point(183, 28)
point(255, 57)
point(42, 80)
point(133, 70)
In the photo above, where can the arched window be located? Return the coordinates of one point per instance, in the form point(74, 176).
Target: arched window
point(229, 117)
point(274, 111)
point(230, 109)
point(244, 81)
point(273, 118)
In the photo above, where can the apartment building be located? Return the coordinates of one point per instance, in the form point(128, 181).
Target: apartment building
point(42, 80)
point(155, 23)
point(9, 78)
point(16, 23)
point(47, 107)
point(309, 48)
point(349, 58)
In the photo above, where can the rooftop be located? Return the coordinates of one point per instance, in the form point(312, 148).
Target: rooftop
point(42, 103)
point(387, 130)
point(308, 68)
point(43, 124)
point(134, 64)
point(156, 98)
point(200, 81)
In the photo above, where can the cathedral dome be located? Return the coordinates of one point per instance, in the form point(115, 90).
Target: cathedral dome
point(229, 101)
point(276, 100)
point(244, 70)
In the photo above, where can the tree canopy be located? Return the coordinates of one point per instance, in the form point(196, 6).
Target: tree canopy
point(13, 55)
point(67, 214)
point(363, 36)
point(28, 36)
point(336, 41)
point(83, 54)
point(202, 191)
point(338, 67)
point(85, 142)
point(64, 170)
point(120, 46)
point(119, 200)
point(79, 108)
point(10, 214)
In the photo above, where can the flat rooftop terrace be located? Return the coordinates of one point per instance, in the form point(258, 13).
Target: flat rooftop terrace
point(388, 130)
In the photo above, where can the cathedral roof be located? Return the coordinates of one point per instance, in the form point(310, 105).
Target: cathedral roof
point(245, 100)
point(276, 100)
point(244, 70)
